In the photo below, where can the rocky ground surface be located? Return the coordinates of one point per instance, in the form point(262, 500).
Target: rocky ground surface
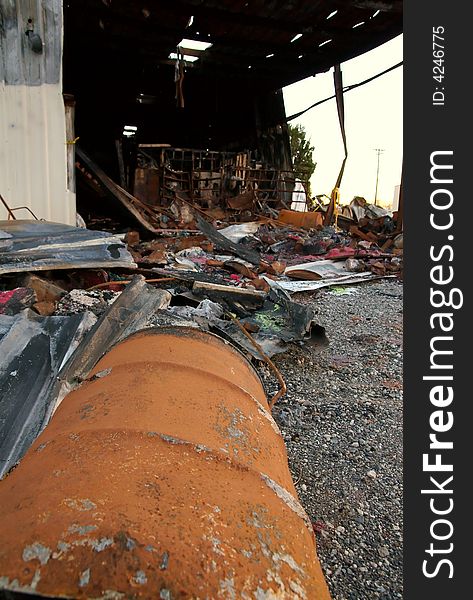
point(342, 423)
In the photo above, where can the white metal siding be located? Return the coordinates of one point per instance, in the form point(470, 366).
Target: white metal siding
point(33, 168)
point(33, 149)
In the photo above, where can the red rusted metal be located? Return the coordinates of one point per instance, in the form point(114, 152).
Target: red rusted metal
point(162, 476)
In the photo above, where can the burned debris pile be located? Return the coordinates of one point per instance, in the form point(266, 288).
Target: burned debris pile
point(217, 249)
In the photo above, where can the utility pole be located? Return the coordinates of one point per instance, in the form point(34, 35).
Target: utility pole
point(378, 151)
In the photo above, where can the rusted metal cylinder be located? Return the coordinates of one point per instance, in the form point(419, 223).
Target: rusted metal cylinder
point(162, 476)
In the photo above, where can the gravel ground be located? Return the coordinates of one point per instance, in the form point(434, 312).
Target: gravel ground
point(342, 423)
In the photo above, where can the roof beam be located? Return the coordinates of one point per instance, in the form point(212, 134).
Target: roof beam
point(391, 7)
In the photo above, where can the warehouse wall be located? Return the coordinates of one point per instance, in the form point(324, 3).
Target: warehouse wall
point(33, 148)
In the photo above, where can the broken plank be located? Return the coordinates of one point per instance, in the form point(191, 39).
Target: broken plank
point(227, 292)
point(126, 199)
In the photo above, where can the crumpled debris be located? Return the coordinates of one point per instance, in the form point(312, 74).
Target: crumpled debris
point(354, 265)
point(236, 233)
point(207, 313)
point(16, 300)
point(79, 301)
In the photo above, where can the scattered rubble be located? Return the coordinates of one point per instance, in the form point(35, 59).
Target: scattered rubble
point(235, 270)
point(16, 300)
point(78, 301)
point(231, 277)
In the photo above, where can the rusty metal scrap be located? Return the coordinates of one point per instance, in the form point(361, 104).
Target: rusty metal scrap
point(162, 476)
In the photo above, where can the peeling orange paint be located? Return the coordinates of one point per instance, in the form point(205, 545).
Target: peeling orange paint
point(162, 476)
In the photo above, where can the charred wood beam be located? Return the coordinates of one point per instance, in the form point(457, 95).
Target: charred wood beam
point(286, 63)
point(392, 7)
point(222, 242)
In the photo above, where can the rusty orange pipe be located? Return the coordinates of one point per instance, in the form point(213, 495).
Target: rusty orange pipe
point(162, 476)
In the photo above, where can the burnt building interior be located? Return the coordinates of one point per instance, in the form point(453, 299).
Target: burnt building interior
point(187, 94)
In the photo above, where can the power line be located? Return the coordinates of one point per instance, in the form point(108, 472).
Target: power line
point(378, 151)
point(348, 88)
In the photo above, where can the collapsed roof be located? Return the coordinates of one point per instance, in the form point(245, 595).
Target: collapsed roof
point(271, 43)
point(239, 55)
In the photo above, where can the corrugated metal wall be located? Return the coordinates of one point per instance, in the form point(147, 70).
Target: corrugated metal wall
point(33, 149)
point(33, 152)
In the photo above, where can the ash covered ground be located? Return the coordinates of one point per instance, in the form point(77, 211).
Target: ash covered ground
point(342, 423)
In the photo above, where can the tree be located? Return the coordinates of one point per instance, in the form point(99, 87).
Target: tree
point(302, 154)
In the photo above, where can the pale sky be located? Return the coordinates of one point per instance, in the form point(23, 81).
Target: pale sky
point(373, 119)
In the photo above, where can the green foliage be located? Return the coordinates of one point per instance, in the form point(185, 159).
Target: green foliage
point(302, 153)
